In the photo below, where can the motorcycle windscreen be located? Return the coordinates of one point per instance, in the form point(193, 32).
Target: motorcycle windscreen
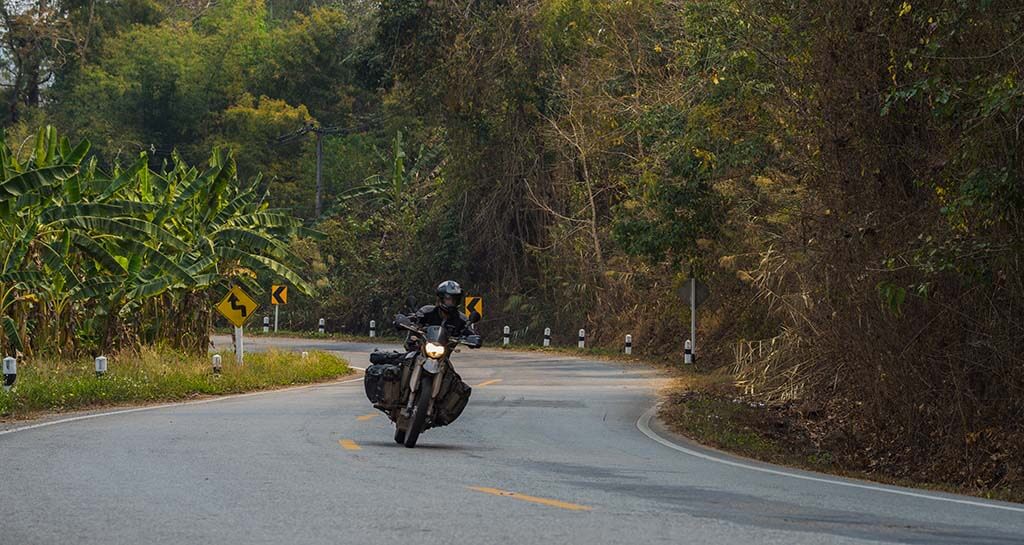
point(437, 335)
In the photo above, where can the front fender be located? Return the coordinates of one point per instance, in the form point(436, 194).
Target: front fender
point(431, 366)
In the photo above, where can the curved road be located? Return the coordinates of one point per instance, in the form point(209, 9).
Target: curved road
point(552, 449)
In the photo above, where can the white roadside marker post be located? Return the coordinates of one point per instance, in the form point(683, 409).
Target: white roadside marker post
point(373, 328)
point(688, 353)
point(217, 364)
point(305, 355)
point(266, 324)
point(320, 326)
point(583, 338)
point(239, 346)
point(101, 366)
point(629, 344)
point(547, 336)
point(506, 333)
point(10, 372)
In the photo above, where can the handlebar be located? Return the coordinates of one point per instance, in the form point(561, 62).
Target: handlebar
point(403, 321)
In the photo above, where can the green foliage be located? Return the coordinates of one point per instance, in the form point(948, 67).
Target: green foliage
point(893, 296)
point(665, 218)
point(158, 85)
point(954, 68)
point(311, 60)
point(405, 36)
point(250, 129)
point(88, 255)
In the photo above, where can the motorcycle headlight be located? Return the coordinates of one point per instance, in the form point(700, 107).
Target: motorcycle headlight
point(435, 351)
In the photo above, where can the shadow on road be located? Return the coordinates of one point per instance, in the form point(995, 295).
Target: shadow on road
point(427, 446)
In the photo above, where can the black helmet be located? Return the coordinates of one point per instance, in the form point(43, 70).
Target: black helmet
point(449, 295)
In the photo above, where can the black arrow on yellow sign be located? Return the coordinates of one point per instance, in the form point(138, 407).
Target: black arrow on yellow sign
point(237, 306)
point(279, 295)
point(474, 303)
point(233, 300)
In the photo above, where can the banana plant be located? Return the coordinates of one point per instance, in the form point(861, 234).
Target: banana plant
point(384, 191)
point(84, 251)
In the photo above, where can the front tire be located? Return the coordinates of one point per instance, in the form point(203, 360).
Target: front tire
point(419, 412)
point(399, 436)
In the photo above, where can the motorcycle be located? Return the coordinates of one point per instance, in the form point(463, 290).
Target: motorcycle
point(420, 389)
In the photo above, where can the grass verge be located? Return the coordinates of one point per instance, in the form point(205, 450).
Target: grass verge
point(157, 375)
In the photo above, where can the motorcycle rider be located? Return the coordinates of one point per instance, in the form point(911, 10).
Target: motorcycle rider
point(445, 313)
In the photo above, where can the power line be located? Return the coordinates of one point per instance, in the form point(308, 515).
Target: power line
point(319, 132)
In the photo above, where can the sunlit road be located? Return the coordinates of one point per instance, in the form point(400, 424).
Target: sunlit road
point(551, 449)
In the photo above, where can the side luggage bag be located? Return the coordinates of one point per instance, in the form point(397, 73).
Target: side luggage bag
point(451, 400)
point(383, 380)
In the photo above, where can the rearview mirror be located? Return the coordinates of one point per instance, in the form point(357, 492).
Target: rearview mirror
point(402, 320)
point(410, 302)
point(474, 317)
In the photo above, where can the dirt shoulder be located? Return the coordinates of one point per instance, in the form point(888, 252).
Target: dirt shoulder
point(708, 409)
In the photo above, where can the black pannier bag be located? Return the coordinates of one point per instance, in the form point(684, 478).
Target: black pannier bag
point(394, 358)
point(451, 399)
point(383, 380)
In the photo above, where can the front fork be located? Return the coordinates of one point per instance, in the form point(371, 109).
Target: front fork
point(414, 383)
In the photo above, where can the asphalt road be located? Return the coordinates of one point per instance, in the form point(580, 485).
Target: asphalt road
point(551, 449)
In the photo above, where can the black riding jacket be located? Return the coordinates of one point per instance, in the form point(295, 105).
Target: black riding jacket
point(456, 322)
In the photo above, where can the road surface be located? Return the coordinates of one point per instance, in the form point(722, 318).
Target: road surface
point(551, 449)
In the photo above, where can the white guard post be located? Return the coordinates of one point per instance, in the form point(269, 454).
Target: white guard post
point(239, 346)
point(217, 365)
point(688, 353)
point(629, 344)
point(373, 328)
point(10, 372)
point(101, 366)
point(583, 338)
point(547, 336)
point(506, 335)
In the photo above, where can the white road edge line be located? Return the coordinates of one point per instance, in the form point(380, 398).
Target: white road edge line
point(644, 425)
point(175, 404)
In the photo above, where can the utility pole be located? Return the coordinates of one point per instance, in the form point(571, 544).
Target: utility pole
point(693, 314)
point(319, 178)
point(319, 132)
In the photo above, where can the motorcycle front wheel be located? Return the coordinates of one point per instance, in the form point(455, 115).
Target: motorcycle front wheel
point(399, 436)
point(419, 411)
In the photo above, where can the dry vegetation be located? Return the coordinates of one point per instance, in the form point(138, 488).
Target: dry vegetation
point(844, 174)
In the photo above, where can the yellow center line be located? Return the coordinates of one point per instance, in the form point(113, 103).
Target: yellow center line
point(488, 383)
point(531, 499)
point(349, 444)
point(365, 417)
